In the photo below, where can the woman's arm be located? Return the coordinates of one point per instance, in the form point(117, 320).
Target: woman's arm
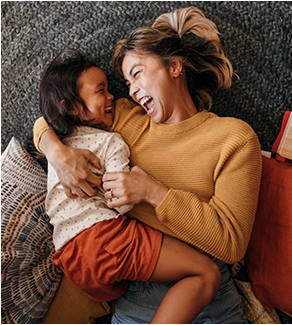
point(220, 226)
point(71, 164)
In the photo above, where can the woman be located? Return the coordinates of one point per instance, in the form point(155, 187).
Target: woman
point(200, 174)
point(98, 248)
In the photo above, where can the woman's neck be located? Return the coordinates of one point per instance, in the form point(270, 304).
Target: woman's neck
point(183, 109)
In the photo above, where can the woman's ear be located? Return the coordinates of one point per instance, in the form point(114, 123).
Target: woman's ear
point(176, 68)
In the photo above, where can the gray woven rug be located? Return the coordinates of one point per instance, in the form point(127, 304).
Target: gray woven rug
point(257, 36)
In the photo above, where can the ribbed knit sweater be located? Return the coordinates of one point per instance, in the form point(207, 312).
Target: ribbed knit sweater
point(212, 167)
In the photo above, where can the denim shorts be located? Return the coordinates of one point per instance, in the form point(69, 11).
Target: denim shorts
point(141, 299)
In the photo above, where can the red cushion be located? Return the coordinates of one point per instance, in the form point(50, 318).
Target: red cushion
point(269, 255)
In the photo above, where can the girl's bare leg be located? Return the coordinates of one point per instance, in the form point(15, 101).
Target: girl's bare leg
point(196, 279)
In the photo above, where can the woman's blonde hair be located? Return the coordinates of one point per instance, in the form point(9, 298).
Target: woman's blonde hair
point(188, 34)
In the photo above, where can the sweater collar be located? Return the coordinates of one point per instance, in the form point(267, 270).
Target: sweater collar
point(183, 126)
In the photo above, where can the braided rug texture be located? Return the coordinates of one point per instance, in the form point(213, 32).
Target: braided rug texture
point(256, 35)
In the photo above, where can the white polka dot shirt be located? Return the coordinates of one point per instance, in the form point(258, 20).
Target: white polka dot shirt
point(71, 216)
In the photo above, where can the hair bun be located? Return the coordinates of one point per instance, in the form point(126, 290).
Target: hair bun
point(186, 21)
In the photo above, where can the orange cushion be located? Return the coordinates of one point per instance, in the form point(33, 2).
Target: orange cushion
point(72, 306)
point(269, 255)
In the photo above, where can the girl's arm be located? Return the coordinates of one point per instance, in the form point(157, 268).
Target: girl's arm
point(71, 164)
point(116, 160)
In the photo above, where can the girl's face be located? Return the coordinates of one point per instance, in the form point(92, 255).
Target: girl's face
point(154, 86)
point(93, 90)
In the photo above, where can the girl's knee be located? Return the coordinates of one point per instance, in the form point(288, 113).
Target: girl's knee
point(213, 278)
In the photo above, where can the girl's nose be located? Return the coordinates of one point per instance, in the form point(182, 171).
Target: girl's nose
point(110, 96)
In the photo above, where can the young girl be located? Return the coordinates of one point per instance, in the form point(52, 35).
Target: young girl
point(98, 248)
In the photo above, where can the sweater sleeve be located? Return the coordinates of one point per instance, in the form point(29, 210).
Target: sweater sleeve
point(222, 226)
point(40, 126)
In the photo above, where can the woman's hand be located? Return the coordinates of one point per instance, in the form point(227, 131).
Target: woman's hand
point(71, 165)
point(129, 188)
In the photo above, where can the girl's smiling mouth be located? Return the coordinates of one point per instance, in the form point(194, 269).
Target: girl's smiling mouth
point(108, 110)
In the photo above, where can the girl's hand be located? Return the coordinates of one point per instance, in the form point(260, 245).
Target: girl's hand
point(132, 188)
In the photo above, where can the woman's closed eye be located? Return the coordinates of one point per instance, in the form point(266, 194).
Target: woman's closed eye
point(136, 73)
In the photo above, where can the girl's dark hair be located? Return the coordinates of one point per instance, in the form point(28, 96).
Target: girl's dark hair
point(188, 34)
point(59, 93)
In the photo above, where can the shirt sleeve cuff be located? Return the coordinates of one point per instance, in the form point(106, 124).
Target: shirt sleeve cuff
point(40, 126)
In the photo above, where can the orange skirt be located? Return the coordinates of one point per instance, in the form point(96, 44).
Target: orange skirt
point(101, 259)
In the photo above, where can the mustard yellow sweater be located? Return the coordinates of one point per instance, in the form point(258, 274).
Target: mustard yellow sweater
point(212, 166)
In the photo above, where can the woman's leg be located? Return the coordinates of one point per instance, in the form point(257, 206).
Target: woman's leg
point(197, 280)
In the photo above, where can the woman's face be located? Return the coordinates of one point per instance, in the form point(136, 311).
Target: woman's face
point(93, 90)
point(153, 85)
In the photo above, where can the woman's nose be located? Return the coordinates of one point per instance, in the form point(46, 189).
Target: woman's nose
point(133, 90)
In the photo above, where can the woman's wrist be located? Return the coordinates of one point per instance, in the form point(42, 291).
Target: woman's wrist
point(156, 193)
point(50, 143)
